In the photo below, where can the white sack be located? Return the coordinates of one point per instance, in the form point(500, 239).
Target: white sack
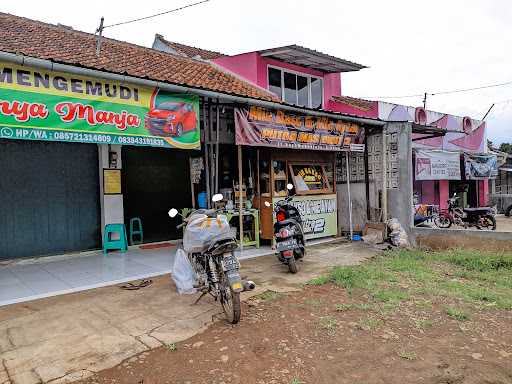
point(183, 274)
point(201, 229)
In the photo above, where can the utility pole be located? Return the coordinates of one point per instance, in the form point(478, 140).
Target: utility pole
point(98, 39)
point(425, 101)
point(488, 111)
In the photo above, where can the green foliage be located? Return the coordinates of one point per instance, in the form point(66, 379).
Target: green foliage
point(329, 323)
point(482, 262)
point(269, 296)
point(407, 355)
point(483, 279)
point(457, 314)
point(506, 147)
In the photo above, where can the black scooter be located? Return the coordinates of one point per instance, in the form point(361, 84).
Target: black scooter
point(288, 232)
point(481, 218)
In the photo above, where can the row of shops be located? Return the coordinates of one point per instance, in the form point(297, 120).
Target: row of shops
point(83, 146)
point(73, 163)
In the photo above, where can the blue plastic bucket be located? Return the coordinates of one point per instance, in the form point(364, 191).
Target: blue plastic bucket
point(356, 238)
point(201, 200)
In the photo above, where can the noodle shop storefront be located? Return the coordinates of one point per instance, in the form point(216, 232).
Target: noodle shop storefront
point(299, 149)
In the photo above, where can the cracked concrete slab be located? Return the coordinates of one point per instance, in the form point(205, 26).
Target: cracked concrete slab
point(66, 338)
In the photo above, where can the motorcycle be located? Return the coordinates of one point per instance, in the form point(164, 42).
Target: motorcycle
point(481, 218)
point(216, 267)
point(288, 232)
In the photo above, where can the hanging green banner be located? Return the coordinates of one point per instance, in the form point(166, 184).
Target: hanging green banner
point(44, 105)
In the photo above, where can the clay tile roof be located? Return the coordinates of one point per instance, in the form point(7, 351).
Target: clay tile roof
point(63, 45)
point(364, 105)
point(189, 51)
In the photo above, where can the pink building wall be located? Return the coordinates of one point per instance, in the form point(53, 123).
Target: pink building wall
point(253, 67)
point(244, 65)
point(444, 193)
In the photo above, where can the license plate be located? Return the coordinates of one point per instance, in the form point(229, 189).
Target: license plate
point(285, 245)
point(229, 262)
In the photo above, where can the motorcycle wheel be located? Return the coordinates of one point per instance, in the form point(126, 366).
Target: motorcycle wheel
point(292, 265)
point(489, 223)
point(442, 222)
point(231, 304)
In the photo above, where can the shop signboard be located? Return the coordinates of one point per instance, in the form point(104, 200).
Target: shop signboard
point(480, 167)
point(36, 104)
point(277, 128)
point(318, 212)
point(437, 165)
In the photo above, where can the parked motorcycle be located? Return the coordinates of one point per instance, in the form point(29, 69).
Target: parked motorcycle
point(481, 218)
point(288, 232)
point(213, 259)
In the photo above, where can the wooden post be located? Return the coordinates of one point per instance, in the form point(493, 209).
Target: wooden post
point(240, 198)
point(217, 190)
point(206, 156)
point(349, 197)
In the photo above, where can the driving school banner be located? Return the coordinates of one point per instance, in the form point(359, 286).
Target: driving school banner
point(318, 213)
point(276, 128)
point(479, 167)
point(437, 165)
point(43, 105)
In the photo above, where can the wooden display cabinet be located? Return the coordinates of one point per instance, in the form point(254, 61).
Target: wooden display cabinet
point(275, 168)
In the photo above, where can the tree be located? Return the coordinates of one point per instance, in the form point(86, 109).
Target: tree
point(506, 147)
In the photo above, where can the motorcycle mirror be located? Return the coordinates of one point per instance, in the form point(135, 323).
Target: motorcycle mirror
point(289, 186)
point(267, 204)
point(173, 212)
point(217, 197)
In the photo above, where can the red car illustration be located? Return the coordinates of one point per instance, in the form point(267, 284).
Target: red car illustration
point(171, 118)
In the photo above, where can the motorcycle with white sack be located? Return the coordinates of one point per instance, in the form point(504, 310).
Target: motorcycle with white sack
point(209, 243)
point(288, 232)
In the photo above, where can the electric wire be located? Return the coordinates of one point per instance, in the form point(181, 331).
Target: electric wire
point(155, 15)
point(441, 92)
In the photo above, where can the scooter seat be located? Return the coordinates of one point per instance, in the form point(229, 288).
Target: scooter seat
point(475, 210)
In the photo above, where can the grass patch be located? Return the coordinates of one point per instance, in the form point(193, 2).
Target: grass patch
point(457, 314)
point(171, 347)
point(321, 280)
point(329, 324)
point(391, 295)
point(296, 381)
point(314, 302)
point(480, 261)
point(423, 323)
point(370, 323)
point(407, 355)
point(478, 278)
point(269, 296)
point(343, 307)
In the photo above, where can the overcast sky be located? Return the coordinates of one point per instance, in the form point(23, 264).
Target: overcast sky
point(410, 46)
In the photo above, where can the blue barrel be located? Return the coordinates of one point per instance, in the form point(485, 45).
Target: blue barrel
point(202, 200)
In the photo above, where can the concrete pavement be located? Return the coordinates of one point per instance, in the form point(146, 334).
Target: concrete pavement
point(65, 338)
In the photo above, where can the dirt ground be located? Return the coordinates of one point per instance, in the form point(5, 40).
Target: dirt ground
point(66, 338)
point(323, 334)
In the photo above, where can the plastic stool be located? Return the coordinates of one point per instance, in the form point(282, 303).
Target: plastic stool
point(121, 243)
point(138, 221)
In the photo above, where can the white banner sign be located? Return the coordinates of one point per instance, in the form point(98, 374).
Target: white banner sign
point(437, 165)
